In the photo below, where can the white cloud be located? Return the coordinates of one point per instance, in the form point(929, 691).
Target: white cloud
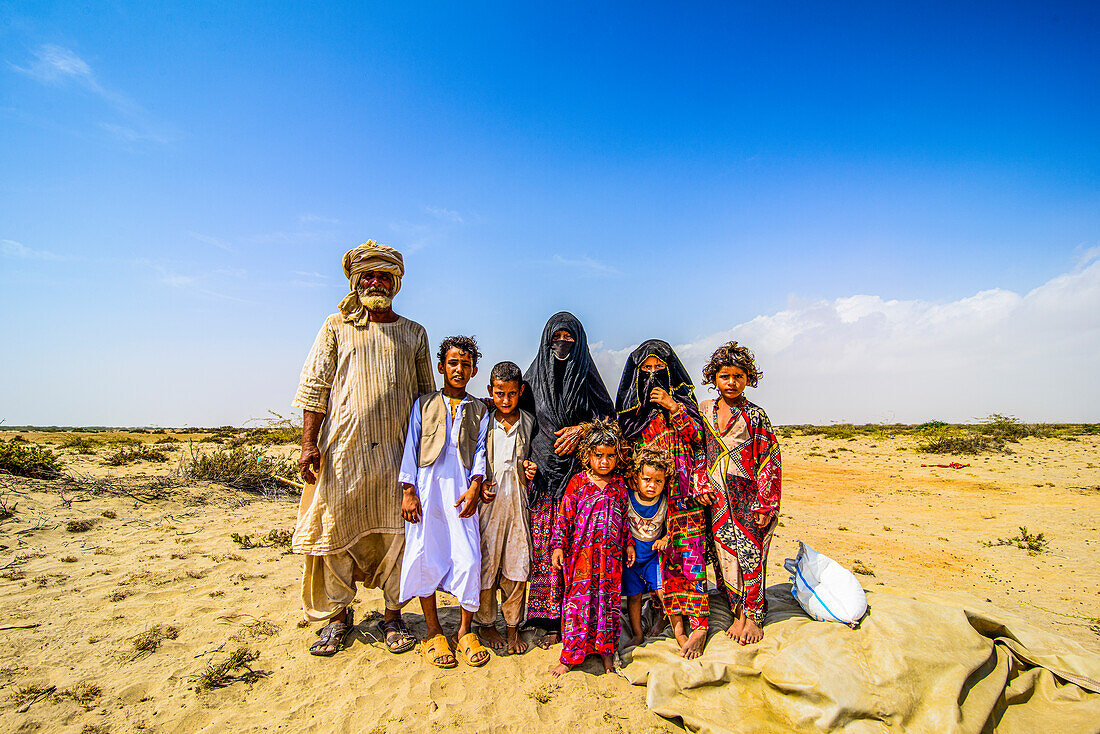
point(866, 359)
point(316, 219)
point(53, 64)
point(448, 215)
point(207, 239)
point(19, 251)
point(130, 135)
point(56, 65)
point(586, 266)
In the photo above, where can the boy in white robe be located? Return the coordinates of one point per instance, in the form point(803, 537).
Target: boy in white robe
point(505, 529)
point(441, 473)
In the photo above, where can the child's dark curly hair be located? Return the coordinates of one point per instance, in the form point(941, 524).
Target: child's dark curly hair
point(465, 344)
point(656, 458)
point(604, 432)
point(732, 354)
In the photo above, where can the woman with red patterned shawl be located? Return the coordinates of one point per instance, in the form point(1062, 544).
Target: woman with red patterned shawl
point(743, 467)
point(656, 408)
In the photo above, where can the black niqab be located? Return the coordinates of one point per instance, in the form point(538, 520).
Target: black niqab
point(632, 406)
point(561, 393)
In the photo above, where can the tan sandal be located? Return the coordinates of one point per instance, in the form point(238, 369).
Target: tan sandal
point(468, 647)
point(435, 650)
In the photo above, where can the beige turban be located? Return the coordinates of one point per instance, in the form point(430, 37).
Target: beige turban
point(367, 257)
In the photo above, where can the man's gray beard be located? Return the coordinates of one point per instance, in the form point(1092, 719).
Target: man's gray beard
point(374, 301)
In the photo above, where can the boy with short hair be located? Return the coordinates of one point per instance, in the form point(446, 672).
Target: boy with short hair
point(646, 513)
point(441, 473)
point(505, 530)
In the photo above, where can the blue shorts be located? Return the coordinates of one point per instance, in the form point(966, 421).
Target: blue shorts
point(645, 574)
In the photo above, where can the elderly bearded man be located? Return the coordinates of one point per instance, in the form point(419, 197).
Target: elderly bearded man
point(367, 367)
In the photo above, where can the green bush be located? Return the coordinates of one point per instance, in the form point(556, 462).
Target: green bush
point(25, 459)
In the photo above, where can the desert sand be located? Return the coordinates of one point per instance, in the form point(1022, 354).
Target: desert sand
point(919, 530)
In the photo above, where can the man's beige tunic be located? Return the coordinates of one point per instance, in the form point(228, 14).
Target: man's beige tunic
point(364, 379)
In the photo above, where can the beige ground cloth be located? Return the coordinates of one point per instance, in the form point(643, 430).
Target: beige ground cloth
point(913, 666)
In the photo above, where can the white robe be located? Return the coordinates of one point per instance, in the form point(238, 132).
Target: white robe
point(442, 551)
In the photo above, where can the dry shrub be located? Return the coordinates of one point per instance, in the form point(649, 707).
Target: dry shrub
point(118, 594)
point(274, 539)
point(85, 693)
point(82, 525)
point(225, 672)
point(80, 444)
point(131, 454)
point(246, 468)
point(109, 514)
point(28, 460)
point(148, 641)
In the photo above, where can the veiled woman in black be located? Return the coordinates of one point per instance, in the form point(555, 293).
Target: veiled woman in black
point(564, 390)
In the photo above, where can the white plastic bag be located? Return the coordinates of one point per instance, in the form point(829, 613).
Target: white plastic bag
point(825, 589)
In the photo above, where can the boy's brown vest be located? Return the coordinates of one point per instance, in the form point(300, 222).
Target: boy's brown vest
point(433, 428)
point(523, 444)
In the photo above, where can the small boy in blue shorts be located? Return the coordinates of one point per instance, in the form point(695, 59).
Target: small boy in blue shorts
point(646, 514)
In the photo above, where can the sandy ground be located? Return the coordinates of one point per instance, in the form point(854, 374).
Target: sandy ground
point(918, 529)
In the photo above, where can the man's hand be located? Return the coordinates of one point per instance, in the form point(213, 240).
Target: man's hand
point(661, 543)
point(660, 396)
point(309, 463)
point(567, 441)
point(529, 469)
point(762, 517)
point(468, 500)
point(706, 499)
point(631, 555)
point(557, 559)
point(488, 492)
point(410, 504)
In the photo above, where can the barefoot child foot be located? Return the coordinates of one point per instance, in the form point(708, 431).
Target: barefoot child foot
point(559, 669)
point(737, 629)
point(489, 636)
point(608, 663)
point(692, 647)
point(751, 632)
point(516, 644)
point(548, 640)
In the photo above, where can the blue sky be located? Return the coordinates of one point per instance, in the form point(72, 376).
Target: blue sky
point(178, 184)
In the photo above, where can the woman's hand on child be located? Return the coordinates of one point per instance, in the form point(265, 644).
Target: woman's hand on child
point(529, 469)
point(488, 492)
point(706, 499)
point(762, 517)
point(468, 500)
point(660, 396)
point(631, 555)
point(661, 543)
point(568, 438)
point(557, 559)
point(410, 505)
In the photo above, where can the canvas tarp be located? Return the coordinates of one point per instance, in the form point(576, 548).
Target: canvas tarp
point(913, 665)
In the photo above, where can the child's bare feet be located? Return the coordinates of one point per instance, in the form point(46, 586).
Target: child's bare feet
point(737, 629)
point(751, 632)
point(489, 636)
point(559, 669)
point(550, 638)
point(608, 664)
point(692, 647)
point(516, 644)
point(635, 641)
